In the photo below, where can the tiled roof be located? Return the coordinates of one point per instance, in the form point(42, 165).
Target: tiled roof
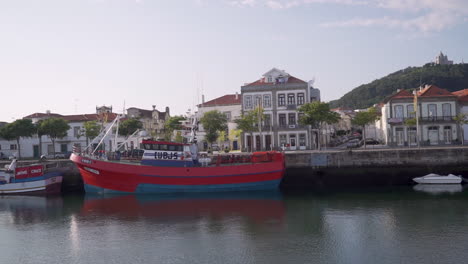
point(399, 95)
point(434, 91)
point(228, 99)
point(291, 79)
point(462, 95)
point(89, 117)
point(40, 115)
point(75, 118)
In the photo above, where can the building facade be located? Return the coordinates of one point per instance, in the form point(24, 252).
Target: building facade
point(436, 110)
point(153, 120)
point(442, 59)
point(229, 105)
point(280, 95)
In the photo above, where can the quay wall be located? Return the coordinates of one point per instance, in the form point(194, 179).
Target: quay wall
point(356, 168)
point(371, 167)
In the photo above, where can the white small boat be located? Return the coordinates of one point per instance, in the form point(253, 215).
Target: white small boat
point(433, 178)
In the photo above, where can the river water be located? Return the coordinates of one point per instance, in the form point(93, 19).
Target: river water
point(398, 225)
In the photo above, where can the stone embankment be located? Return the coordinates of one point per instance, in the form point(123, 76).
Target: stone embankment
point(371, 167)
point(356, 168)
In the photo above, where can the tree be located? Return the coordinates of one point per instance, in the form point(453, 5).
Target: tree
point(316, 114)
point(91, 130)
point(213, 122)
point(178, 137)
point(461, 119)
point(18, 129)
point(364, 118)
point(129, 127)
point(250, 121)
point(54, 128)
point(39, 133)
point(173, 123)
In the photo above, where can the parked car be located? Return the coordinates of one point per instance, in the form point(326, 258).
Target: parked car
point(55, 155)
point(370, 141)
point(353, 143)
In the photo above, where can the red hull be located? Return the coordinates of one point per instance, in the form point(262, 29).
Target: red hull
point(135, 178)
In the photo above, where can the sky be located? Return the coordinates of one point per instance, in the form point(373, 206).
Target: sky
point(69, 56)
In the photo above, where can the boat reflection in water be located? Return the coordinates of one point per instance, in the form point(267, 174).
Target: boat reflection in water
point(258, 207)
point(30, 209)
point(439, 188)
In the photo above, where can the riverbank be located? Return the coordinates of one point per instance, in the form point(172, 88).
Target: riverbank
point(371, 167)
point(344, 168)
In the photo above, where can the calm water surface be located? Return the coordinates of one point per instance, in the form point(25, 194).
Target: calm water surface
point(399, 225)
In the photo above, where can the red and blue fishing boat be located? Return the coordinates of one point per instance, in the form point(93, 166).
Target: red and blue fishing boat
point(36, 179)
point(165, 167)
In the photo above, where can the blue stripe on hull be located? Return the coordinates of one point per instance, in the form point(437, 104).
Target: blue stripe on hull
point(39, 178)
point(160, 188)
point(168, 163)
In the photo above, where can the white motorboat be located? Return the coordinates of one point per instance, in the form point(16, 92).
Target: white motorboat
point(433, 178)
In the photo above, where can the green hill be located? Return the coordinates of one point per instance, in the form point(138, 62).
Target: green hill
point(450, 77)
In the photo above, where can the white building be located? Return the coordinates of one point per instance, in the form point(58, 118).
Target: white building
point(229, 105)
point(442, 59)
point(436, 107)
point(35, 147)
point(463, 108)
point(280, 95)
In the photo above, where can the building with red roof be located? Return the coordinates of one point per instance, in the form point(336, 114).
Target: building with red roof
point(34, 147)
point(433, 108)
point(280, 95)
point(229, 105)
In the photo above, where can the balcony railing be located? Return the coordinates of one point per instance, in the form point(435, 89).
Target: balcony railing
point(399, 120)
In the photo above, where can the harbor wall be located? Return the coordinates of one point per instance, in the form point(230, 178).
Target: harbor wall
point(356, 168)
point(372, 167)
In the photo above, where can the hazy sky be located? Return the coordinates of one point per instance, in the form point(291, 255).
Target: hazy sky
point(69, 56)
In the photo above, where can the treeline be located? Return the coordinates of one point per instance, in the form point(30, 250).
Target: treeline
point(450, 77)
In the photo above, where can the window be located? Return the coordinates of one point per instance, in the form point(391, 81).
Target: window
point(398, 111)
point(228, 115)
point(266, 100)
point(292, 118)
point(63, 148)
point(248, 102)
point(410, 111)
point(282, 140)
point(270, 79)
point(13, 147)
point(76, 131)
point(282, 120)
point(432, 110)
point(291, 100)
point(446, 111)
point(299, 116)
point(281, 100)
point(267, 121)
point(258, 100)
point(302, 140)
point(300, 98)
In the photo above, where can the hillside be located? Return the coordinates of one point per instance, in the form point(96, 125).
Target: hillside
point(451, 77)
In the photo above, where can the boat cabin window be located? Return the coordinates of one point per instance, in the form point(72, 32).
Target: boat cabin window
point(163, 147)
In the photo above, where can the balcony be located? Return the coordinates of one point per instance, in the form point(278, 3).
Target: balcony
point(433, 119)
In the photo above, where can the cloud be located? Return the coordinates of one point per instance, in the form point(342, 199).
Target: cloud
point(426, 15)
point(285, 4)
point(412, 15)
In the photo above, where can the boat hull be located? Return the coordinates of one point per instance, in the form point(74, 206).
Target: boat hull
point(46, 186)
point(115, 177)
point(438, 179)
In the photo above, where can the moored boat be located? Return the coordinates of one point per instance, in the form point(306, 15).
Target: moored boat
point(166, 167)
point(433, 178)
point(30, 179)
